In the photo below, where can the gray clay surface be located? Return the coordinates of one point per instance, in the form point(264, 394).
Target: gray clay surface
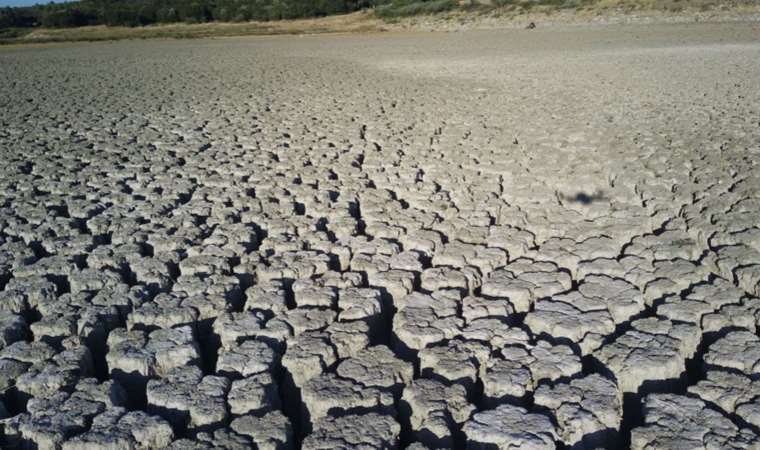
point(485, 239)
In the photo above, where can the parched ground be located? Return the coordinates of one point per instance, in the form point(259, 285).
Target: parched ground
point(484, 239)
point(358, 22)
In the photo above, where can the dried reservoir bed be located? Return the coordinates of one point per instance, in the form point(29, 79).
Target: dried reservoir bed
point(483, 239)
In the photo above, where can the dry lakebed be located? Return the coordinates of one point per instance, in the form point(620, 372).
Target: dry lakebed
point(487, 239)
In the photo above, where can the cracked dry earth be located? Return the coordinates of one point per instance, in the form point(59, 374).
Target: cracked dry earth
point(488, 239)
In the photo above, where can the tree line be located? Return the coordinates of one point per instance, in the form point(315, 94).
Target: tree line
point(145, 12)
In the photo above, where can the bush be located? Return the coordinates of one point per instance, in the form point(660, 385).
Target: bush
point(65, 18)
point(12, 33)
point(144, 12)
point(400, 9)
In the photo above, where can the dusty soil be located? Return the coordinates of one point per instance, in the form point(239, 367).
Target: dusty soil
point(365, 22)
point(483, 239)
point(360, 22)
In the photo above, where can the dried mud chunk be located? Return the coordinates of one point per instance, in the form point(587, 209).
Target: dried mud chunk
point(674, 421)
point(588, 315)
point(188, 400)
point(151, 272)
point(635, 269)
point(134, 356)
point(307, 356)
point(488, 259)
point(437, 278)
point(394, 284)
point(653, 350)
point(515, 241)
point(349, 338)
point(749, 237)
point(308, 293)
point(204, 265)
point(524, 281)
point(510, 427)
point(749, 278)
point(568, 253)
point(672, 277)
point(27, 352)
point(454, 254)
point(328, 394)
point(738, 350)
point(308, 319)
point(267, 296)
point(745, 315)
point(670, 244)
point(122, 297)
point(119, 429)
point(256, 394)
point(215, 286)
point(221, 439)
point(231, 328)
point(507, 378)
point(687, 309)
point(588, 410)
point(417, 446)
point(423, 241)
point(519, 369)
point(53, 418)
point(56, 267)
point(10, 371)
point(148, 431)
point(60, 373)
point(113, 257)
point(414, 328)
point(246, 359)
point(552, 362)
point(172, 348)
point(165, 311)
point(271, 431)
point(13, 328)
point(21, 294)
point(495, 333)
point(342, 280)
point(377, 367)
point(91, 280)
point(408, 261)
point(741, 264)
point(474, 308)
point(433, 410)
point(733, 393)
point(127, 356)
point(564, 319)
point(701, 300)
point(294, 265)
point(456, 362)
point(14, 255)
point(54, 328)
point(445, 302)
point(360, 304)
point(354, 431)
point(370, 264)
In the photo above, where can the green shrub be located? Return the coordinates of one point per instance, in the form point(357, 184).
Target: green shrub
point(11, 33)
point(405, 8)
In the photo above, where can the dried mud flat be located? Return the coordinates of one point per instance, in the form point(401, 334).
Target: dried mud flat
point(487, 239)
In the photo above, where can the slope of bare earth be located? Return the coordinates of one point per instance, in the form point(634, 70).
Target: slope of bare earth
point(604, 12)
point(360, 22)
point(485, 239)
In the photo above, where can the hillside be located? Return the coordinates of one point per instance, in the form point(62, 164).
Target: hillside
point(98, 20)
